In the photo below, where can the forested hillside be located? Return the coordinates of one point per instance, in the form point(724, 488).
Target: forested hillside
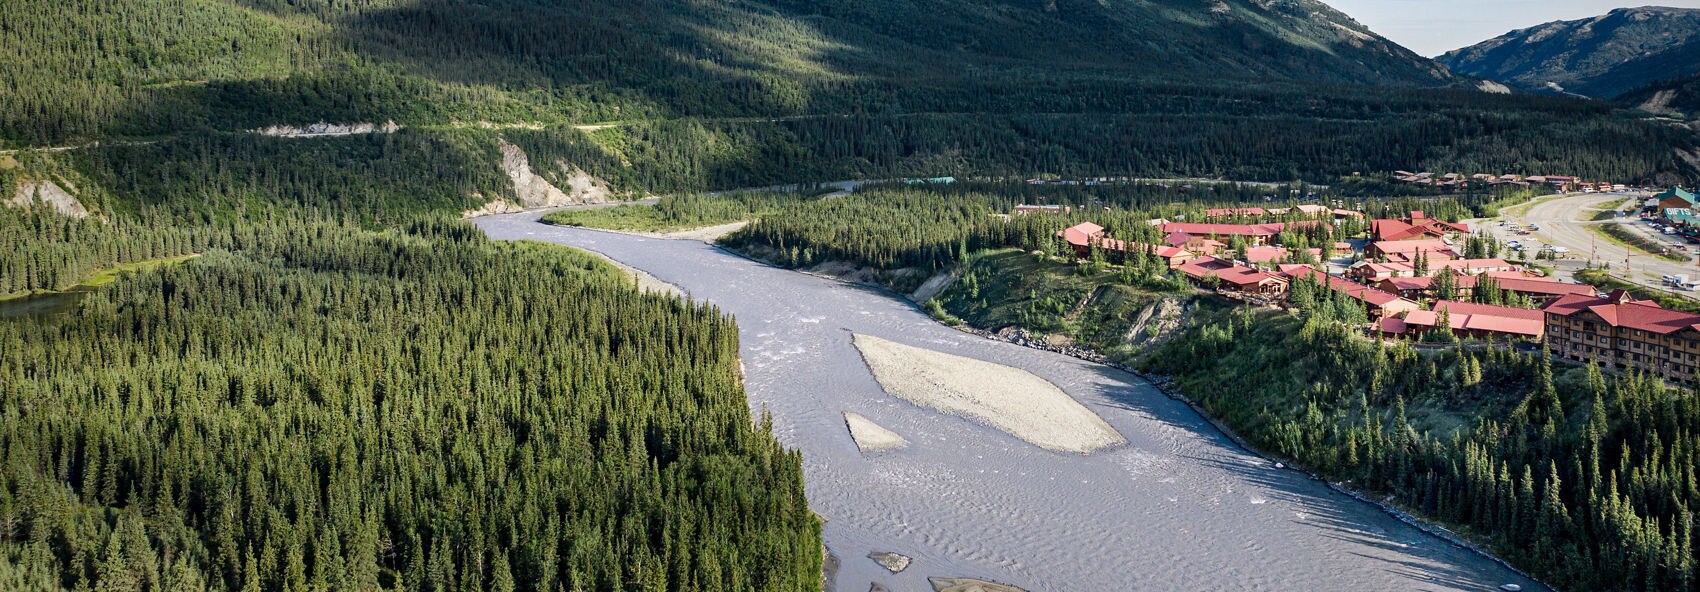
point(159, 65)
point(1584, 480)
point(309, 405)
point(743, 93)
point(1677, 96)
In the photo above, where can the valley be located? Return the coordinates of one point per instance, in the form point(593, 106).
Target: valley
point(1179, 506)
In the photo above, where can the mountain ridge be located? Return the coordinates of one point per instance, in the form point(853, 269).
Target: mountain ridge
point(1601, 57)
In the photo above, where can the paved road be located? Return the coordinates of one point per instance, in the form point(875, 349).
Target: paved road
point(1564, 221)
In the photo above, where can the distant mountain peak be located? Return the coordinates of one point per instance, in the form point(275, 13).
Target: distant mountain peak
point(1601, 57)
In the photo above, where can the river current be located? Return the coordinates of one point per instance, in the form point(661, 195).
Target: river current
point(1179, 507)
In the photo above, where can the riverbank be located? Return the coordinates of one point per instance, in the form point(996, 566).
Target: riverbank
point(101, 277)
point(1193, 510)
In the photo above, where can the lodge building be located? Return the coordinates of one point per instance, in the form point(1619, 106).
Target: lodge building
point(1620, 332)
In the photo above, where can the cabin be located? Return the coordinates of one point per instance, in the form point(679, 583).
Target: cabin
point(1677, 204)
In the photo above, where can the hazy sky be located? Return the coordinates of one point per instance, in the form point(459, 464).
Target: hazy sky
point(1434, 27)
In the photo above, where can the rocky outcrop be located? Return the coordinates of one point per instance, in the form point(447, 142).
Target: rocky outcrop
point(49, 193)
point(533, 191)
point(892, 562)
point(324, 129)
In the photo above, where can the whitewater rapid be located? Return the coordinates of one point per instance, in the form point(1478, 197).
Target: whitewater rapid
point(1178, 507)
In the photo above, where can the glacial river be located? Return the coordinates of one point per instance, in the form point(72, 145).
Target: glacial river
point(1179, 507)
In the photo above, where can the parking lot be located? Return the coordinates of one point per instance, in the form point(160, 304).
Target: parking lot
point(1561, 224)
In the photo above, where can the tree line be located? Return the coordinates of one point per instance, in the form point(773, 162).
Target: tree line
point(1585, 480)
point(312, 405)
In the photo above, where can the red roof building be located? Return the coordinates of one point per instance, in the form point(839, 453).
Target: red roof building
point(1086, 236)
point(1620, 332)
point(1256, 234)
point(1273, 254)
point(1379, 304)
point(1539, 290)
point(1196, 244)
point(1478, 320)
point(1407, 250)
point(1082, 236)
point(1417, 226)
point(1232, 277)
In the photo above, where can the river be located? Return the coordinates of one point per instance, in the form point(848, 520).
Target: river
point(1179, 507)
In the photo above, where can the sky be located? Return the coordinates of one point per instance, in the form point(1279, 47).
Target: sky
point(1434, 27)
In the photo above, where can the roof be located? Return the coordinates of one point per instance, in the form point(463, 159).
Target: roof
point(1350, 288)
point(1414, 226)
point(1679, 193)
point(1313, 209)
point(1081, 234)
point(1482, 317)
point(1412, 247)
point(1203, 267)
point(1543, 286)
point(1619, 310)
point(1389, 269)
point(1265, 254)
point(1205, 229)
point(1394, 325)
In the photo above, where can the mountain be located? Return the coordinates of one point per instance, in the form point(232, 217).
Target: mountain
point(178, 102)
point(151, 65)
point(1601, 57)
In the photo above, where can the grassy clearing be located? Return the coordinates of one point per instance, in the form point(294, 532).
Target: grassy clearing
point(1518, 200)
point(1015, 289)
point(1618, 235)
point(1523, 208)
point(106, 275)
point(1605, 281)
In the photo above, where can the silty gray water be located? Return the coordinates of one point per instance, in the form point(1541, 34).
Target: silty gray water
point(1179, 507)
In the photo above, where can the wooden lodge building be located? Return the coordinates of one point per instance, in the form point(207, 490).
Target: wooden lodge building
point(1620, 332)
